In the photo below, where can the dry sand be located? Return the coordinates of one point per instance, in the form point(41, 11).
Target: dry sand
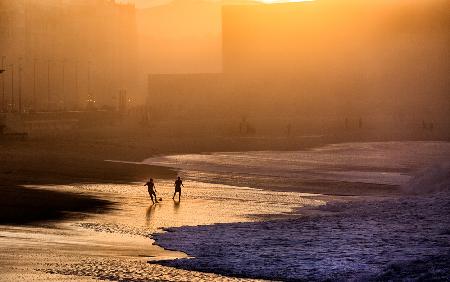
point(43, 206)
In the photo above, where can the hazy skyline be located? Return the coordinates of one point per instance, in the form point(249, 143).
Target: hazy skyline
point(224, 140)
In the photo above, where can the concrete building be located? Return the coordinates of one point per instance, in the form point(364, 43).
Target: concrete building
point(177, 95)
point(344, 57)
point(335, 58)
point(60, 54)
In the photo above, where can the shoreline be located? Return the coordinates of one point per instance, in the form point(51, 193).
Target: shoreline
point(100, 241)
point(44, 167)
point(358, 234)
point(60, 167)
point(65, 161)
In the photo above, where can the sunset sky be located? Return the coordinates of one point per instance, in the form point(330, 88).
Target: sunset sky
point(149, 3)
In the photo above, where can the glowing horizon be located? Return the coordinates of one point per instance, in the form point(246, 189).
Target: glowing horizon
point(282, 1)
point(150, 3)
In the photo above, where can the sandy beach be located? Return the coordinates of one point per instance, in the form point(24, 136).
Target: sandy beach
point(113, 246)
point(57, 224)
point(113, 241)
point(68, 214)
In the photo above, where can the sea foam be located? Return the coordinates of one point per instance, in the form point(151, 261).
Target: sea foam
point(432, 179)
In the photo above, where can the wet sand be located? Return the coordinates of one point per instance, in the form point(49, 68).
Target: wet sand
point(20, 205)
point(80, 158)
point(57, 221)
point(117, 245)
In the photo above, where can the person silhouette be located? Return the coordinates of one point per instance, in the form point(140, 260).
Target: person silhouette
point(151, 190)
point(178, 184)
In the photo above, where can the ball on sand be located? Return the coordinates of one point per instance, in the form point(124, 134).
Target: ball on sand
point(160, 199)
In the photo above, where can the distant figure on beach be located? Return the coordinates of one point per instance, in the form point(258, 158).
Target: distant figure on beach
point(151, 190)
point(178, 184)
point(427, 125)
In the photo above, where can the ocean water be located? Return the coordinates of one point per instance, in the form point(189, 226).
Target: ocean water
point(333, 169)
point(396, 228)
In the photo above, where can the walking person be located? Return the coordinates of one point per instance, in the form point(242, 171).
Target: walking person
point(178, 184)
point(152, 190)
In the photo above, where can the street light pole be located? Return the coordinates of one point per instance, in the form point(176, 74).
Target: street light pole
point(34, 84)
point(89, 78)
point(76, 85)
point(3, 84)
point(63, 83)
point(12, 87)
point(48, 86)
point(20, 85)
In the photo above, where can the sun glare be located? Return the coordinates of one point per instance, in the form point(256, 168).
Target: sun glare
point(282, 1)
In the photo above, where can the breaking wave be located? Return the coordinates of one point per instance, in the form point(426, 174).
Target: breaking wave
point(432, 179)
point(401, 236)
point(401, 239)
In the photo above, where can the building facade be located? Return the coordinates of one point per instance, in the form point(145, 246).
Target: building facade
point(65, 55)
point(386, 60)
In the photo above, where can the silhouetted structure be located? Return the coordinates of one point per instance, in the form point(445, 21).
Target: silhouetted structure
point(63, 44)
point(293, 57)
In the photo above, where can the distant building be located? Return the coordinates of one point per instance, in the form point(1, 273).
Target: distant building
point(327, 58)
point(356, 57)
point(65, 52)
point(175, 95)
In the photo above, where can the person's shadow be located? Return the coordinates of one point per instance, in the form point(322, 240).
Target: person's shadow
point(150, 214)
point(176, 206)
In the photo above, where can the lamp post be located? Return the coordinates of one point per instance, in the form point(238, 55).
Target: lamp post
point(76, 85)
point(89, 78)
point(12, 87)
point(20, 85)
point(48, 85)
point(3, 84)
point(3, 94)
point(34, 83)
point(63, 83)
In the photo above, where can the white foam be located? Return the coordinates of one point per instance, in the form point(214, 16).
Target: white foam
point(357, 242)
point(384, 163)
point(432, 179)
